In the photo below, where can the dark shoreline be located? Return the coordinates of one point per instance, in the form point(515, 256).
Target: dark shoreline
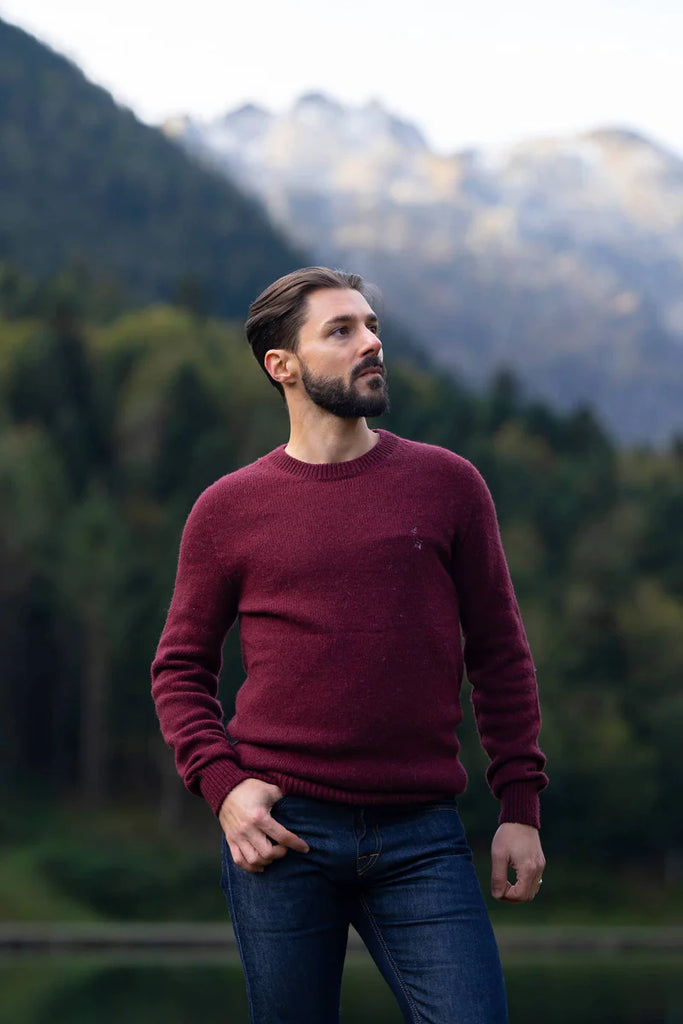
point(193, 938)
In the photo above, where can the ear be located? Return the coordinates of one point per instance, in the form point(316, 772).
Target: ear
point(280, 364)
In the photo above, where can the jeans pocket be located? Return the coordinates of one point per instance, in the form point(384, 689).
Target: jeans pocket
point(278, 805)
point(225, 854)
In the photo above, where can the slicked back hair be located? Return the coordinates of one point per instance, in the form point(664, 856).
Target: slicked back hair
point(277, 315)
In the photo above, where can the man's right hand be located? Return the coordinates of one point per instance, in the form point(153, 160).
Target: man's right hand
point(247, 823)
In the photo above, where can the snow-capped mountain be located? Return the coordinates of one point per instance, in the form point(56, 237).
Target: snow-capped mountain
point(561, 258)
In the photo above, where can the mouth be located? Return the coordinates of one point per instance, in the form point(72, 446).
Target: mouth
point(372, 371)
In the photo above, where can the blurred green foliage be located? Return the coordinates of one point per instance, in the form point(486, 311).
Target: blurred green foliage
point(112, 422)
point(87, 190)
point(78, 990)
point(109, 429)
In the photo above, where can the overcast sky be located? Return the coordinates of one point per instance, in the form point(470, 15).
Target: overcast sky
point(482, 72)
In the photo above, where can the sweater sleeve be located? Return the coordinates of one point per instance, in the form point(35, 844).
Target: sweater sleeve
point(498, 662)
point(188, 661)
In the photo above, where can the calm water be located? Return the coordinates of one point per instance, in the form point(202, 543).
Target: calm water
point(628, 989)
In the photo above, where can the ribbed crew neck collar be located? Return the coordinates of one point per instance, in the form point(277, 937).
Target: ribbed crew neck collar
point(336, 470)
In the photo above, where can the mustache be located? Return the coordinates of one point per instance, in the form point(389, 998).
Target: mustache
point(369, 363)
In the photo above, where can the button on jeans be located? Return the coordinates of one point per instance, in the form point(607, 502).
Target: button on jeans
point(403, 876)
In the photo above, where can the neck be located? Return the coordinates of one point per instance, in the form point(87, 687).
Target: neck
point(318, 437)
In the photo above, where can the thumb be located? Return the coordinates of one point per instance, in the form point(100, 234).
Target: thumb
point(499, 876)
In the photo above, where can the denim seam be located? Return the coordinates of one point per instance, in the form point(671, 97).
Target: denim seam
point(235, 929)
point(371, 858)
point(417, 1019)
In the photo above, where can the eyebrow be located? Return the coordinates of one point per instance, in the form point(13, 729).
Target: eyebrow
point(346, 318)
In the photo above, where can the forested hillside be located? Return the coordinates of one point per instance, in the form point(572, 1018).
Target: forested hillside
point(108, 433)
point(558, 258)
point(84, 184)
point(126, 386)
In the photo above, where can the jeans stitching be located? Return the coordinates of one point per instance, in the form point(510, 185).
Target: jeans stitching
point(417, 1019)
point(370, 857)
point(250, 1001)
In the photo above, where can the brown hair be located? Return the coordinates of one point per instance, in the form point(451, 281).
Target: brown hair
point(277, 315)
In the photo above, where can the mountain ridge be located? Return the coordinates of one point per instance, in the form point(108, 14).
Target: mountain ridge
point(84, 183)
point(561, 258)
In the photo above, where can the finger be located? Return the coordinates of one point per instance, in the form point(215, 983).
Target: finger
point(534, 877)
point(538, 882)
point(263, 846)
point(238, 859)
point(284, 837)
point(265, 851)
point(272, 851)
point(519, 894)
point(524, 889)
point(516, 894)
point(511, 896)
point(499, 877)
point(502, 894)
point(246, 857)
point(251, 846)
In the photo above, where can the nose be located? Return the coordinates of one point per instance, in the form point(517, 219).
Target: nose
point(371, 343)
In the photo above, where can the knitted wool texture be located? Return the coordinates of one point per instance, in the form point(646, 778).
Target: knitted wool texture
point(352, 582)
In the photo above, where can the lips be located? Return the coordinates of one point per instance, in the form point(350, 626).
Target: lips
point(372, 370)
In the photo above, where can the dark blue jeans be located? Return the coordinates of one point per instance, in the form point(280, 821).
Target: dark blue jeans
point(403, 876)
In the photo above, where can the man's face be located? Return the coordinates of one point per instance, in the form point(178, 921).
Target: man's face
point(340, 354)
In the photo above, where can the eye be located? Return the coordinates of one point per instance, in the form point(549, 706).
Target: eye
point(341, 331)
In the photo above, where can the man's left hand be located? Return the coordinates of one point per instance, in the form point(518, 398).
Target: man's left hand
point(518, 847)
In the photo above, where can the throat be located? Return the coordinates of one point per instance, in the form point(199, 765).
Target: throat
point(341, 442)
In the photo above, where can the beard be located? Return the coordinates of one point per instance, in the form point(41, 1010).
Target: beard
point(345, 400)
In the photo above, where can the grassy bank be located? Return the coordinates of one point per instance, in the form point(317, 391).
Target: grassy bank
point(125, 866)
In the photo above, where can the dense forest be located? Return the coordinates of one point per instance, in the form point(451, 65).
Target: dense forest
point(83, 183)
point(126, 387)
point(109, 428)
point(95, 204)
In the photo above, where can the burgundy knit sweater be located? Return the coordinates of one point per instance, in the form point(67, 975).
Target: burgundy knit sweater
point(351, 581)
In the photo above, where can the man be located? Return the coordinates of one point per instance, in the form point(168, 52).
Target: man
point(352, 558)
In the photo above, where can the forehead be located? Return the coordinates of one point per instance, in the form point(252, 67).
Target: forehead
point(327, 303)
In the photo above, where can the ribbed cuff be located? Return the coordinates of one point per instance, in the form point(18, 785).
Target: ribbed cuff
point(519, 802)
point(218, 778)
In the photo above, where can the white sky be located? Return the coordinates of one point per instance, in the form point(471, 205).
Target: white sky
point(481, 72)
